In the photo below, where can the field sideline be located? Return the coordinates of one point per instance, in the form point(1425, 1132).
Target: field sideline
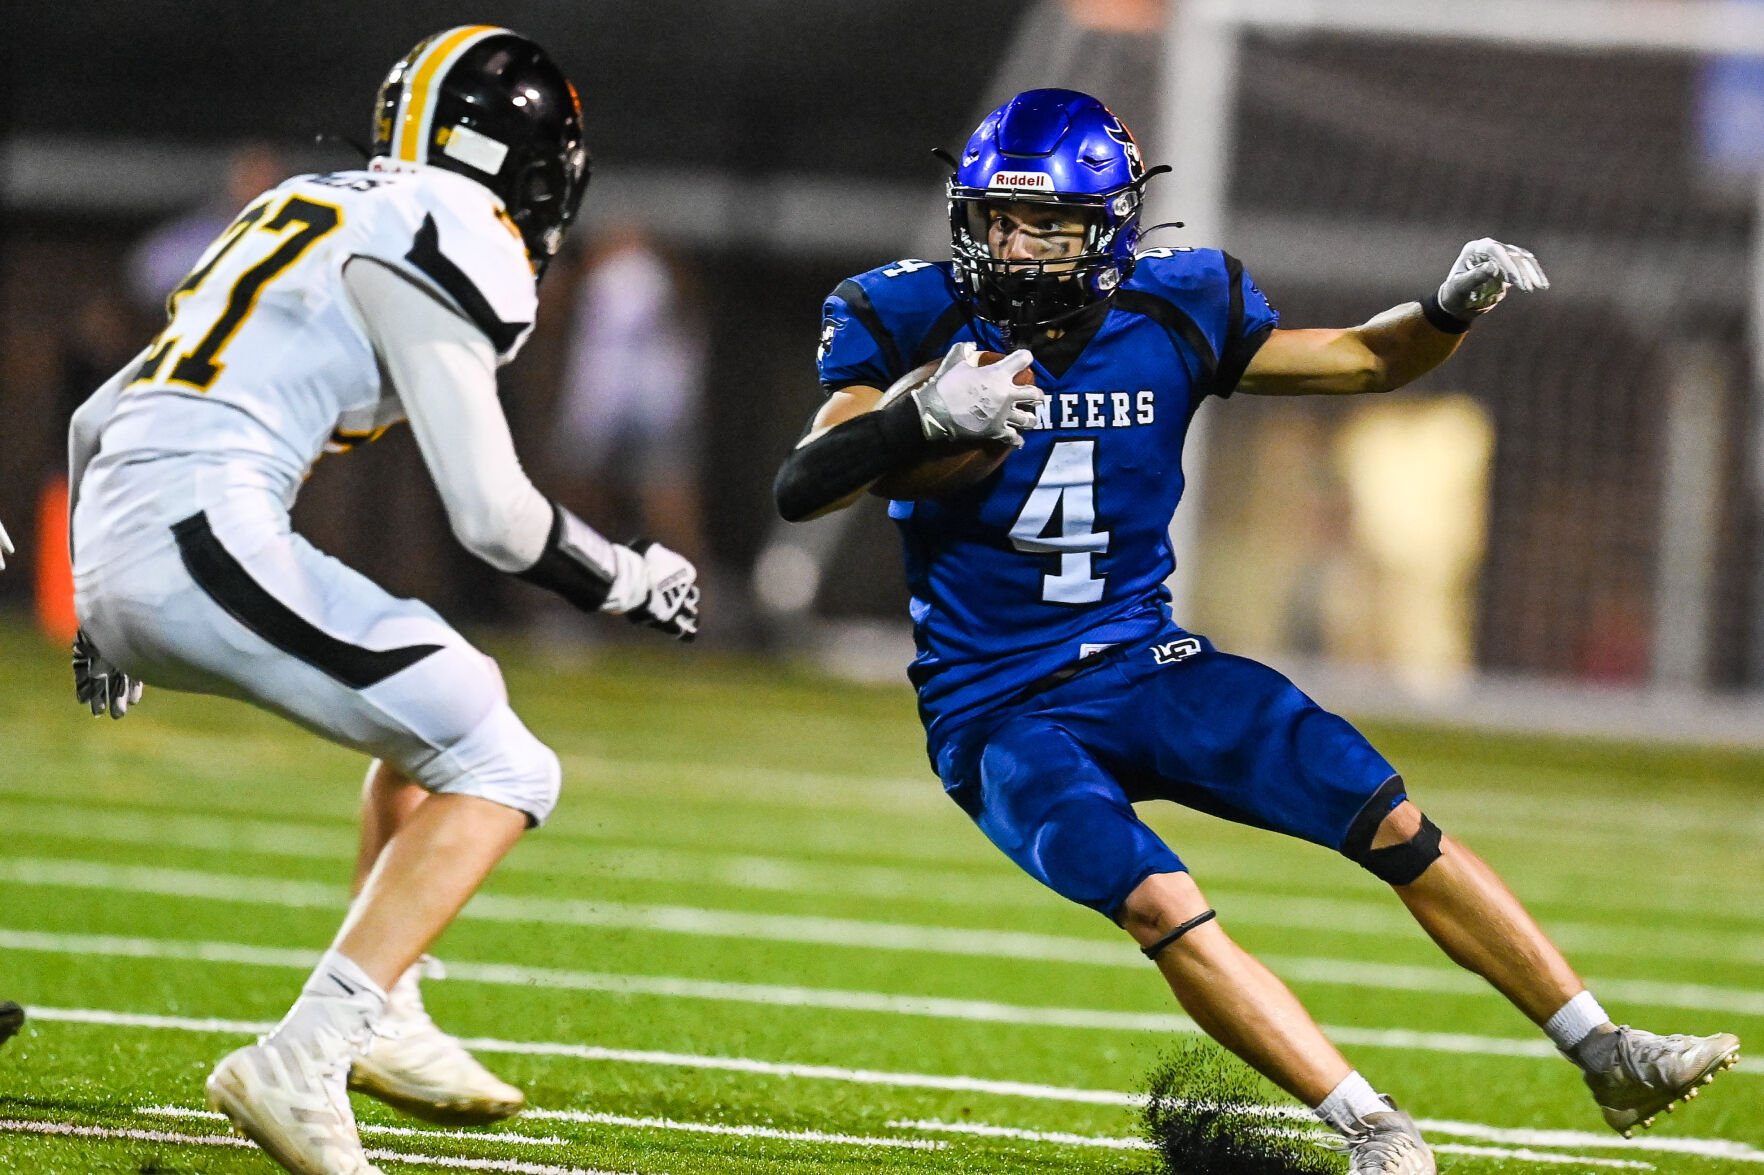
point(757, 939)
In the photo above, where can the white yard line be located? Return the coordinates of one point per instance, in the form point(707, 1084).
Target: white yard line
point(780, 995)
point(1708, 1148)
point(829, 999)
point(510, 1137)
point(983, 1130)
point(938, 882)
point(1701, 1147)
point(308, 840)
point(1108, 1142)
point(821, 931)
point(1527, 1155)
point(599, 1119)
point(72, 1130)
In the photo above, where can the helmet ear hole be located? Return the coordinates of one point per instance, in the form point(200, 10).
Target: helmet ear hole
point(506, 91)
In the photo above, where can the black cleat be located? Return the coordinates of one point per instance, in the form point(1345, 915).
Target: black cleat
point(12, 1018)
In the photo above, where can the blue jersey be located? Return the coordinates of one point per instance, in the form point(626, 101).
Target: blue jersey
point(1065, 548)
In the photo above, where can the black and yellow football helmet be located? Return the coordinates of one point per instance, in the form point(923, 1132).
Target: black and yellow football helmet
point(492, 105)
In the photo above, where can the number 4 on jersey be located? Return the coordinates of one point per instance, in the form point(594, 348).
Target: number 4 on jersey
point(1066, 487)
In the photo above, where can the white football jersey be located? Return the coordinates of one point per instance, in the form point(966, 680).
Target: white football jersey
point(265, 360)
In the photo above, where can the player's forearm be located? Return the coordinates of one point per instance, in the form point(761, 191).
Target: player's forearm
point(444, 372)
point(1406, 344)
point(833, 469)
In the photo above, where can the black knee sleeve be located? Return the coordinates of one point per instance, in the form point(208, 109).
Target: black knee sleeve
point(1401, 864)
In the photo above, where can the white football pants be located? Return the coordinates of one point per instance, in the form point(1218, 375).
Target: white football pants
point(225, 599)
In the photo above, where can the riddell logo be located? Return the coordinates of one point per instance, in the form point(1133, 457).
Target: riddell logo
point(1173, 651)
point(1034, 181)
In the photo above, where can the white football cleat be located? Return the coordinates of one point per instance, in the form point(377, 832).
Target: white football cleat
point(416, 1068)
point(289, 1099)
point(1648, 1074)
point(1387, 1143)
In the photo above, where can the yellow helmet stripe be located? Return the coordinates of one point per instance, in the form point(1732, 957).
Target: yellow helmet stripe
point(416, 105)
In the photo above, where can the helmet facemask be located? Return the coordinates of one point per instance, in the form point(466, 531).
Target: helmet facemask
point(1019, 293)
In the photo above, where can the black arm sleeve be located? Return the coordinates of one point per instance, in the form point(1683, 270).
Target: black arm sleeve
point(578, 562)
point(849, 457)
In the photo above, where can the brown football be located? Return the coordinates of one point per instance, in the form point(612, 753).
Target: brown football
point(951, 465)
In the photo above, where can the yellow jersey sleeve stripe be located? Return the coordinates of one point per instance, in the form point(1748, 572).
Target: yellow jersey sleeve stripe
point(416, 102)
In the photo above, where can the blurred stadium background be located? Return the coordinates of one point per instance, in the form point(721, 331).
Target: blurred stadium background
point(1561, 528)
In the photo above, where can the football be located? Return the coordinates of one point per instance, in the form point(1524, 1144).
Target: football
point(950, 466)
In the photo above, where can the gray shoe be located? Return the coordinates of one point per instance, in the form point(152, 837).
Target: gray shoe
point(1647, 1074)
point(1388, 1143)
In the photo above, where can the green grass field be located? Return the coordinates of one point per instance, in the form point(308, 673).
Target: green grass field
point(756, 938)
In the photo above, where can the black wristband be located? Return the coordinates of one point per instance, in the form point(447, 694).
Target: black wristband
point(569, 565)
point(1442, 319)
point(849, 457)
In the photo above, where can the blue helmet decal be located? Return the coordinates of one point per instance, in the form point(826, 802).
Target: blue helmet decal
point(1052, 147)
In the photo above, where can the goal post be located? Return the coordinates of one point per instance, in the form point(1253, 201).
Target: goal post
point(1627, 483)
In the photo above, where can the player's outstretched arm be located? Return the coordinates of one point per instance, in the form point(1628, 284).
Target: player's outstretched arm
point(861, 433)
point(1401, 344)
point(444, 370)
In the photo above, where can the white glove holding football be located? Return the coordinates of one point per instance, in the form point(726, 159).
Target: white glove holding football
point(1484, 272)
point(98, 683)
point(968, 401)
point(5, 548)
point(655, 586)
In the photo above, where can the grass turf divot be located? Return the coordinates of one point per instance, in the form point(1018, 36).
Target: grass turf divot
point(1205, 1116)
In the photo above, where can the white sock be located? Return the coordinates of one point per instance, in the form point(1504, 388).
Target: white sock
point(405, 998)
point(339, 1000)
point(1576, 1020)
point(1348, 1102)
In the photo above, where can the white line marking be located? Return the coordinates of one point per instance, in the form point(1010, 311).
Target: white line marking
point(510, 1137)
point(1716, 1148)
point(581, 1052)
point(1527, 1155)
point(838, 932)
point(600, 1119)
point(312, 840)
point(1712, 1148)
point(1063, 1138)
point(829, 999)
point(976, 887)
point(983, 1130)
point(69, 1129)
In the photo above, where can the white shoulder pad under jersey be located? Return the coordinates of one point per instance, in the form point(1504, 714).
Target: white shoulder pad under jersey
point(265, 357)
point(453, 236)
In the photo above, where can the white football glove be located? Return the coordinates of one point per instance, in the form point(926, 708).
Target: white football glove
point(964, 401)
point(655, 586)
point(1484, 271)
point(98, 683)
point(5, 548)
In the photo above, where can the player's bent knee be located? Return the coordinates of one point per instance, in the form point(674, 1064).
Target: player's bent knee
point(1404, 862)
point(500, 761)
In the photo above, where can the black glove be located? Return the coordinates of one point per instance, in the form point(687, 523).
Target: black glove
point(98, 683)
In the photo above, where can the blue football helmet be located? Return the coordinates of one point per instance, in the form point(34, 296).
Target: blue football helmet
point(1055, 147)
